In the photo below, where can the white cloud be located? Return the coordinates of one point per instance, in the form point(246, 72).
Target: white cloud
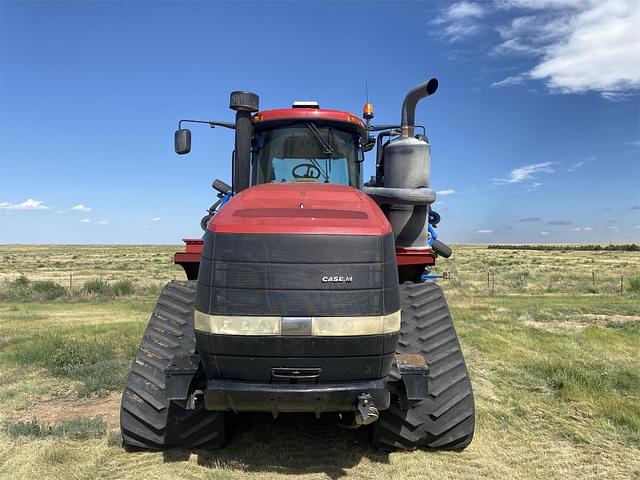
point(527, 172)
point(81, 208)
point(581, 164)
point(615, 228)
point(514, 46)
point(85, 220)
point(545, 233)
point(443, 193)
point(618, 96)
point(484, 230)
point(532, 187)
point(102, 222)
point(579, 45)
point(29, 204)
point(600, 53)
point(634, 143)
point(537, 4)
point(575, 46)
point(460, 20)
point(461, 10)
point(637, 227)
point(156, 219)
point(581, 229)
point(576, 166)
point(509, 81)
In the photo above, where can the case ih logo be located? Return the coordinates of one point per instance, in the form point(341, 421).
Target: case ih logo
point(338, 279)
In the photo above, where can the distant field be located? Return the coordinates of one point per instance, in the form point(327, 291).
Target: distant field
point(551, 342)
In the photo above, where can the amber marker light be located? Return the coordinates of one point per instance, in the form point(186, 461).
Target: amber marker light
point(368, 111)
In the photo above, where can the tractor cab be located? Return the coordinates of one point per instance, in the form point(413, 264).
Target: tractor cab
point(305, 144)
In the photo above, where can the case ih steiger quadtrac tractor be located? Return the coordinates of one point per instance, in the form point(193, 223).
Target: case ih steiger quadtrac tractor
point(308, 292)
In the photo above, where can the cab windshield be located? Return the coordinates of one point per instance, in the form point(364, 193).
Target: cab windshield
point(307, 152)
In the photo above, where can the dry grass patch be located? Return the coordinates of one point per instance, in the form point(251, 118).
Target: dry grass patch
point(65, 409)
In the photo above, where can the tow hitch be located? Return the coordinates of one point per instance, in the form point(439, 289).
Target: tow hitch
point(366, 412)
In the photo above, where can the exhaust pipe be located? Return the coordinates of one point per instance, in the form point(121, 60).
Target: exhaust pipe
point(416, 94)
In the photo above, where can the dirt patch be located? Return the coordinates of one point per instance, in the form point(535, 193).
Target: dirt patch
point(557, 327)
point(614, 318)
point(67, 408)
point(581, 323)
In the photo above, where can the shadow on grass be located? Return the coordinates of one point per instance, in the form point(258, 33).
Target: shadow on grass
point(293, 444)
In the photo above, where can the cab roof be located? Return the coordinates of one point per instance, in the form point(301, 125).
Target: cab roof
point(274, 117)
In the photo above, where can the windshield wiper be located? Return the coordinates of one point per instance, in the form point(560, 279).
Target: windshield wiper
point(326, 148)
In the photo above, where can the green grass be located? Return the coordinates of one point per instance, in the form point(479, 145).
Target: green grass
point(95, 364)
point(87, 348)
point(553, 360)
point(24, 289)
point(96, 286)
point(123, 287)
point(77, 429)
point(119, 288)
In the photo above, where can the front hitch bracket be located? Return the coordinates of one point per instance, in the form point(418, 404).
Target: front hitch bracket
point(366, 411)
point(414, 372)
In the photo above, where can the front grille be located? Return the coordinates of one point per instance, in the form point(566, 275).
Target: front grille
point(297, 275)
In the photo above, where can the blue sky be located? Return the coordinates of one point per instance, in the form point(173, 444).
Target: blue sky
point(535, 128)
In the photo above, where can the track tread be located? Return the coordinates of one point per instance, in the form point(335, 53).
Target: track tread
point(147, 419)
point(151, 374)
point(446, 419)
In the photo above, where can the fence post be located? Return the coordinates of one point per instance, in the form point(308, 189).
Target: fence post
point(488, 284)
point(593, 278)
point(621, 282)
point(70, 281)
point(493, 283)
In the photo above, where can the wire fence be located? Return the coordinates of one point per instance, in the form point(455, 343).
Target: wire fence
point(489, 282)
point(500, 282)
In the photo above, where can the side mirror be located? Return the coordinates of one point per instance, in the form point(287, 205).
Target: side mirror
point(371, 142)
point(182, 141)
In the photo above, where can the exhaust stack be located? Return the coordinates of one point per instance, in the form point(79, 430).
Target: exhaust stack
point(405, 194)
point(412, 98)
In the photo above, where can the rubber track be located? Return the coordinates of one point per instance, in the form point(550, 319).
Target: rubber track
point(446, 419)
point(147, 419)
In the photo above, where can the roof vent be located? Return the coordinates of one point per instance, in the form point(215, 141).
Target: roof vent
point(305, 104)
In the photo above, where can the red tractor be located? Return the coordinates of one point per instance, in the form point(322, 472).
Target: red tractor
point(308, 291)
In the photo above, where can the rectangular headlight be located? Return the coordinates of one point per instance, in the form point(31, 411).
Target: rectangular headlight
point(320, 326)
point(236, 325)
point(347, 326)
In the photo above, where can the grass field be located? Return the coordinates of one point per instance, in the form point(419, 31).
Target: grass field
point(552, 344)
